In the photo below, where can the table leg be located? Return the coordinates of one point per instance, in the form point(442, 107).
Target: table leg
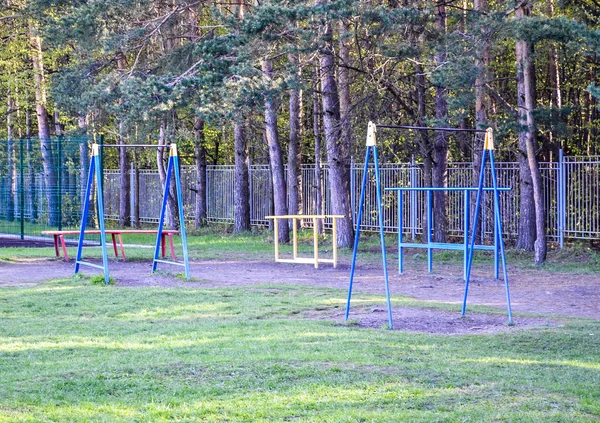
point(64, 247)
point(56, 245)
point(171, 245)
point(114, 241)
point(121, 245)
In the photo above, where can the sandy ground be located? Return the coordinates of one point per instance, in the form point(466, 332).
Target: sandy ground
point(535, 291)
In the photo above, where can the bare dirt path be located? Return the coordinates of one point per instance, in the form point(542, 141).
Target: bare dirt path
point(534, 291)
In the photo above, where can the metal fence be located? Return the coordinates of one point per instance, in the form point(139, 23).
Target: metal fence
point(571, 193)
point(33, 197)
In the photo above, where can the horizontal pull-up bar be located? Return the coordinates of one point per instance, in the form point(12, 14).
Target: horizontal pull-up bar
point(446, 189)
point(134, 145)
point(427, 128)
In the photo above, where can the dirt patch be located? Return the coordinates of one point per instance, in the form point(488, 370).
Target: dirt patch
point(535, 291)
point(434, 321)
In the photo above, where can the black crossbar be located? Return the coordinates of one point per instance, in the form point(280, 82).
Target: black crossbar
point(428, 128)
point(134, 145)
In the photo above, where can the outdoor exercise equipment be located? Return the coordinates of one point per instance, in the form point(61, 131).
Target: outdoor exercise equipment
point(315, 218)
point(371, 145)
point(488, 149)
point(466, 247)
point(429, 245)
point(96, 169)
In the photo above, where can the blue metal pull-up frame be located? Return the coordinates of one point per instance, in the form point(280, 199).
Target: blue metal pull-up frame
point(468, 249)
point(430, 245)
point(96, 168)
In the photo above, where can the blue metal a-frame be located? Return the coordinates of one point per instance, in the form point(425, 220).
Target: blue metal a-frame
point(488, 149)
point(95, 168)
point(371, 145)
point(468, 248)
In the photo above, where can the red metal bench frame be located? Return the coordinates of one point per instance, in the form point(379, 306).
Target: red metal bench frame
point(115, 234)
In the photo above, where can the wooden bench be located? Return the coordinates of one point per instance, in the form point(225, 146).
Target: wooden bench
point(314, 217)
point(116, 235)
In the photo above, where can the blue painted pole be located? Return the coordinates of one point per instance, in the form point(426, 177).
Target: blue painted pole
point(429, 225)
point(99, 184)
point(382, 237)
point(471, 250)
point(466, 238)
point(413, 198)
point(400, 228)
point(163, 209)
point(361, 203)
point(496, 249)
point(186, 261)
point(84, 213)
point(498, 220)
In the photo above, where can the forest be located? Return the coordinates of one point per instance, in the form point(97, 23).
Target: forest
point(286, 83)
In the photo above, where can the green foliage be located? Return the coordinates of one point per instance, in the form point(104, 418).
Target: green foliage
point(140, 65)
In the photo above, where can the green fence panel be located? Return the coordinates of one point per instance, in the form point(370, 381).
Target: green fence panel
point(34, 197)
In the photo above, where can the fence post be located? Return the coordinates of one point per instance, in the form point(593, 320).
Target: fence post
point(250, 190)
point(22, 188)
point(413, 197)
point(352, 192)
point(207, 193)
point(100, 169)
point(561, 198)
point(59, 182)
point(132, 198)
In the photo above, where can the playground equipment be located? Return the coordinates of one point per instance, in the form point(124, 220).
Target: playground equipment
point(466, 247)
point(314, 217)
point(96, 169)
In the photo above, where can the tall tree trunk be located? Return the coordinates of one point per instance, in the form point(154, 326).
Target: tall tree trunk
point(294, 184)
point(124, 181)
point(533, 205)
point(481, 100)
point(317, 134)
point(440, 151)
point(200, 155)
point(11, 171)
point(344, 83)
point(424, 140)
point(555, 78)
point(124, 163)
point(44, 127)
point(241, 193)
point(275, 156)
point(338, 159)
point(241, 218)
point(33, 200)
point(136, 190)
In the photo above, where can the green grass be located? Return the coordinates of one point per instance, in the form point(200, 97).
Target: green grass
point(76, 351)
